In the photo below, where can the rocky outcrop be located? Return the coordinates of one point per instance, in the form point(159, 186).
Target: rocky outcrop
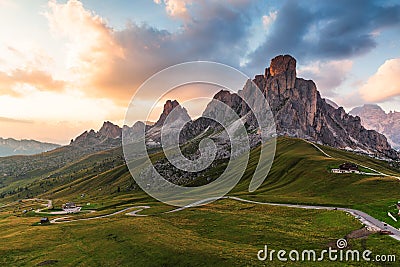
point(179, 113)
point(373, 117)
point(110, 130)
point(109, 136)
point(300, 111)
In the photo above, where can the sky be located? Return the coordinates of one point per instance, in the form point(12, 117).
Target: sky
point(67, 66)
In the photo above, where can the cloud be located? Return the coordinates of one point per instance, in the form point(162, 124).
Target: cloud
point(269, 19)
point(328, 75)
point(384, 84)
point(12, 120)
point(91, 47)
point(176, 8)
point(38, 79)
point(325, 30)
point(111, 63)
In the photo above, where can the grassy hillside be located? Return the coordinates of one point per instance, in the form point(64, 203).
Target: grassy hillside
point(225, 233)
point(300, 174)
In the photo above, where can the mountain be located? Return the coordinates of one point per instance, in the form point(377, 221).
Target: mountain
point(299, 111)
point(375, 118)
point(10, 146)
point(109, 136)
point(176, 115)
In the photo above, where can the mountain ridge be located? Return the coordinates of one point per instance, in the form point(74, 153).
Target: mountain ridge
point(12, 147)
point(375, 118)
point(297, 106)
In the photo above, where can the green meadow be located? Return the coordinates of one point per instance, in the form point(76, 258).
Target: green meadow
point(225, 232)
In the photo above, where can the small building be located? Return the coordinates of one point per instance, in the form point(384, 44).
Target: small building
point(44, 220)
point(69, 205)
point(347, 167)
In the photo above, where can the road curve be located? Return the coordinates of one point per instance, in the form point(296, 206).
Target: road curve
point(363, 217)
point(64, 219)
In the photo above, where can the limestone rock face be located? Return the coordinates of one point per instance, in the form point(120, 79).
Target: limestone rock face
point(282, 64)
point(282, 72)
point(300, 111)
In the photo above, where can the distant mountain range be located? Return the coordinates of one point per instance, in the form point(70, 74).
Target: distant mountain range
point(296, 104)
point(10, 147)
point(375, 118)
point(297, 107)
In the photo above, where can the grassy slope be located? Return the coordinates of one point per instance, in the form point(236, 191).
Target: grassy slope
point(223, 233)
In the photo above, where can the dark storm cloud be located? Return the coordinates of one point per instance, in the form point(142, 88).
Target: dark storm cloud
point(325, 30)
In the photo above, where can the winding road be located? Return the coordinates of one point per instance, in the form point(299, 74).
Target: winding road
point(363, 217)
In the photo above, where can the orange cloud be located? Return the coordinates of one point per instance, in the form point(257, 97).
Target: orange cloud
point(113, 64)
point(384, 84)
point(91, 48)
point(40, 80)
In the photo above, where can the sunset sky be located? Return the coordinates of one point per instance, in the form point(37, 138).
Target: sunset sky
point(67, 66)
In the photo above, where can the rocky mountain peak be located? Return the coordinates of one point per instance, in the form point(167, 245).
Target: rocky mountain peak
point(281, 73)
point(109, 136)
point(368, 110)
point(282, 64)
point(300, 111)
point(110, 130)
point(170, 105)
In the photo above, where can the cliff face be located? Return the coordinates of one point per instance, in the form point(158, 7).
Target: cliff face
point(300, 111)
point(373, 117)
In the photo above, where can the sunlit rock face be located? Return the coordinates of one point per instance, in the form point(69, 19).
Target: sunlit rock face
point(300, 111)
